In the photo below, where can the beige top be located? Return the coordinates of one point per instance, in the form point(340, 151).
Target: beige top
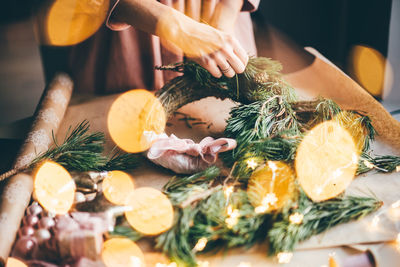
point(118, 57)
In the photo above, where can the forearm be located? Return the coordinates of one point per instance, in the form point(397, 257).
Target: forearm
point(141, 14)
point(225, 14)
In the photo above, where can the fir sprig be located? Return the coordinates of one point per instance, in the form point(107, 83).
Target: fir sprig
point(80, 150)
point(318, 217)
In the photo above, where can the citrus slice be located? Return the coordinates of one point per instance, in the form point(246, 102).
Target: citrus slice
point(152, 212)
point(326, 161)
point(352, 123)
point(133, 117)
point(271, 186)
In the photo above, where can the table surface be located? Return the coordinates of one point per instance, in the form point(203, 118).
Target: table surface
point(341, 240)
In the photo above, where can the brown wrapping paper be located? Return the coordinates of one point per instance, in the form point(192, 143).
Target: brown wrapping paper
point(18, 189)
point(322, 78)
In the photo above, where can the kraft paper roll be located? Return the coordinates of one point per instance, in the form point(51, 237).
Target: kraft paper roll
point(18, 189)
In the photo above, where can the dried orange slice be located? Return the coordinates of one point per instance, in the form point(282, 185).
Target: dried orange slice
point(326, 161)
point(271, 186)
point(352, 123)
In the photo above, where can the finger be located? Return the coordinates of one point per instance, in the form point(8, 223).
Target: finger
point(223, 65)
point(240, 52)
point(236, 64)
point(207, 10)
point(193, 9)
point(209, 64)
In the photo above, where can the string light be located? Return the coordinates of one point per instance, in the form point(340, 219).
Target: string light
point(368, 164)
point(244, 264)
point(269, 200)
point(251, 163)
point(296, 218)
point(228, 191)
point(375, 222)
point(203, 264)
point(396, 204)
point(284, 257)
point(201, 244)
point(233, 217)
point(172, 264)
point(398, 168)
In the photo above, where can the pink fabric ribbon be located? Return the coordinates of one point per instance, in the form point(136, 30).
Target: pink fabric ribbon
point(185, 156)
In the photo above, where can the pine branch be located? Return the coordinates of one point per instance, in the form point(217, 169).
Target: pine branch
point(122, 161)
point(318, 217)
point(80, 150)
point(383, 164)
point(125, 231)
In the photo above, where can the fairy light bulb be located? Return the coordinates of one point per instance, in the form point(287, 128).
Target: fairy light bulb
point(201, 244)
point(172, 264)
point(228, 191)
point(368, 164)
point(296, 218)
point(54, 188)
point(398, 168)
point(271, 186)
point(131, 118)
point(233, 217)
point(284, 257)
point(117, 187)
point(251, 163)
point(203, 264)
point(397, 242)
point(374, 223)
point(151, 211)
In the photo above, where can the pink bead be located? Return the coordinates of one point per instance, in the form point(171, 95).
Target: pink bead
point(26, 231)
point(46, 222)
point(24, 247)
point(34, 209)
point(42, 235)
point(31, 220)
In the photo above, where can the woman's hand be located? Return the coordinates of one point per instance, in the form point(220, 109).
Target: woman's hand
point(230, 58)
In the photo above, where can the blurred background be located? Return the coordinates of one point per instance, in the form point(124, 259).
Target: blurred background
point(362, 37)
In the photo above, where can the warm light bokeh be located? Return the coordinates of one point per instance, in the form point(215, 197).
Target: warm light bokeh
point(122, 252)
point(54, 188)
point(68, 22)
point(13, 262)
point(117, 187)
point(152, 212)
point(133, 117)
point(368, 66)
point(326, 161)
point(271, 186)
